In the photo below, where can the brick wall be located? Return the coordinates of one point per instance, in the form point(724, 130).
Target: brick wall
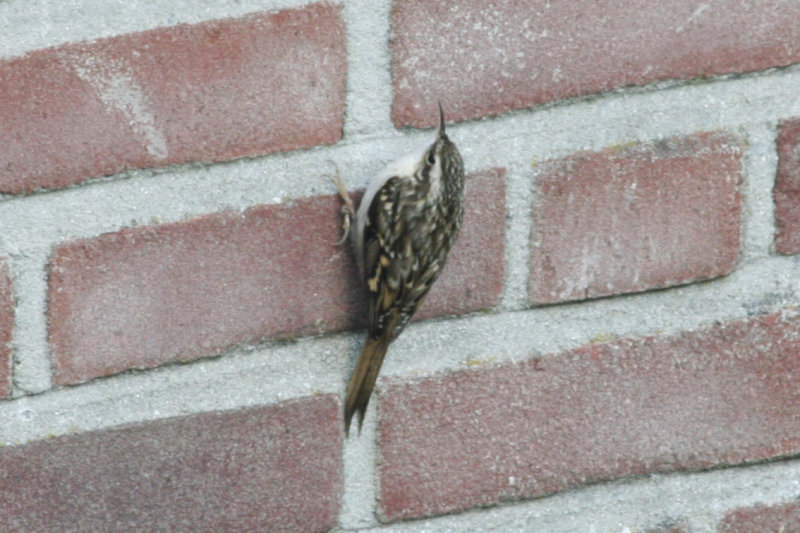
point(612, 347)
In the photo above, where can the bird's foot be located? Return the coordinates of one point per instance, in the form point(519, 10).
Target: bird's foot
point(348, 211)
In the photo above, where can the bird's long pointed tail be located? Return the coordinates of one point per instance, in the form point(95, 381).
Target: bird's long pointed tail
point(363, 379)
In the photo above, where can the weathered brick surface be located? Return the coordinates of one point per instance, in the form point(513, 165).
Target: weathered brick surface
point(146, 296)
point(275, 468)
point(635, 218)
point(762, 518)
point(6, 326)
point(212, 91)
point(693, 400)
point(485, 58)
point(787, 188)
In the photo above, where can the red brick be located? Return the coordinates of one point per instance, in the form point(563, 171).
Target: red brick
point(635, 218)
point(762, 518)
point(718, 396)
point(787, 188)
point(6, 326)
point(486, 58)
point(275, 468)
point(212, 91)
point(145, 296)
point(142, 297)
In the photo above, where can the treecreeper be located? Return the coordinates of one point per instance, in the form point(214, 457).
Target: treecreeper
point(404, 229)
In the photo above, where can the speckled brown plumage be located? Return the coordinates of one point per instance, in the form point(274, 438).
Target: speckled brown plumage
point(405, 226)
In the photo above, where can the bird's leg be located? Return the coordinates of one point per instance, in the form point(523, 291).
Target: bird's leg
point(348, 211)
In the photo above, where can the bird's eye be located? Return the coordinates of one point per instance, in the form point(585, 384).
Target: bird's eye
point(431, 159)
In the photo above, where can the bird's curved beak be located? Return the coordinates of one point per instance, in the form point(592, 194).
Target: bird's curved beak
point(440, 131)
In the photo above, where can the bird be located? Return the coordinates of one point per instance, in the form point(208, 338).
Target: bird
point(404, 229)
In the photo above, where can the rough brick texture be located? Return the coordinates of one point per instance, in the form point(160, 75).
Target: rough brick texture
point(779, 518)
point(722, 395)
point(635, 218)
point(206, 92)
point(145, 296)
point(485, 58)
point(248, 470)
point(6, 326)
point(787, 188)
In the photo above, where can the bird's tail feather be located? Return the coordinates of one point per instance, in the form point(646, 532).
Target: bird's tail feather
point(363, 379)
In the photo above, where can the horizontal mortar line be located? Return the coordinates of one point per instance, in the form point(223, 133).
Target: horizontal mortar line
point(154, 196)
point(23, 31)
point(149, 196)
point(239, 378)
point(759, 286)
point(275, 371)
point(605, 119)
point(702, 498)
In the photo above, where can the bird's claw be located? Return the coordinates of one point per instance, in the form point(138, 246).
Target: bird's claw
point(345, 226)
point(348, 211)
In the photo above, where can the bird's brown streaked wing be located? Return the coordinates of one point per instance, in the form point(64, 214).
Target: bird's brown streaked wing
point(382, 294)
point(382, 285)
